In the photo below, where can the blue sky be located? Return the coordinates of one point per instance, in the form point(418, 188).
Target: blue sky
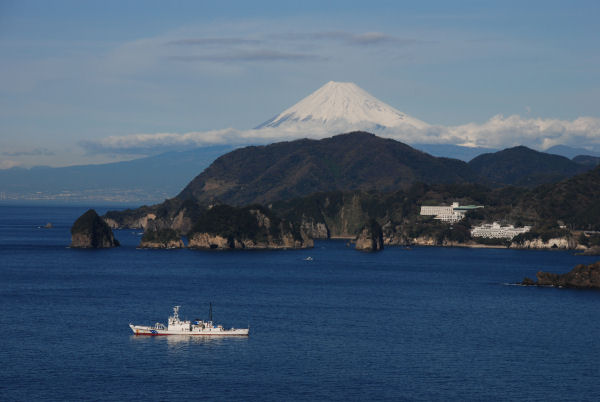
point(76, 72)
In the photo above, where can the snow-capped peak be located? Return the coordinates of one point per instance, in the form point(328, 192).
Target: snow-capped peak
point(338, 107)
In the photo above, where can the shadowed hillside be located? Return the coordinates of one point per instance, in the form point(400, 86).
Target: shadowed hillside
point(285, 170)
point(575, 201)
point(521, 166)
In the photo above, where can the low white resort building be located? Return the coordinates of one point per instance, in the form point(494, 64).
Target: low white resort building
point(496, 231)
point(450, 214)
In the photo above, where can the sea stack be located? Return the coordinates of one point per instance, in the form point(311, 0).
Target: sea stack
point(90, 231)
point(370, 237)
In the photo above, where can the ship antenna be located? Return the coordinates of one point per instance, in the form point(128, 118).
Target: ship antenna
point(210, 311)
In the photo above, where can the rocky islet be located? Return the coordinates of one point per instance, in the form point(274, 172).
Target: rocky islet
point(91, 231)
point(580, 277)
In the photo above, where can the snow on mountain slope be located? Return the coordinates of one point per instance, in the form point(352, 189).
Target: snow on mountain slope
point(340, 107)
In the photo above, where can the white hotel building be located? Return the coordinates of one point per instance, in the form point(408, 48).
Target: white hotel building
point(495, 231)
point(450, 214)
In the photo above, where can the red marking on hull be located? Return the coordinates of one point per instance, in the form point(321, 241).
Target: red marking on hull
point(143, 334)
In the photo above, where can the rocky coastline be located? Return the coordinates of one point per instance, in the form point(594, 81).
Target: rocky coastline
point(580, 277)
point(561, 243)
point(228, 228)
point(161, 239)
point(208, 241)
point(345, 226)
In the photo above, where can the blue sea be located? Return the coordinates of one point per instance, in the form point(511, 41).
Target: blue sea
point(423, 323)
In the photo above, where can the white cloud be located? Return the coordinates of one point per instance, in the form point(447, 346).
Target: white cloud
point(145, 144)
point(501, 132)
point(497, 132)
point(151, 143)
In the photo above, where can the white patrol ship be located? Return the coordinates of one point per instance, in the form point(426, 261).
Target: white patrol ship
point(179, 327)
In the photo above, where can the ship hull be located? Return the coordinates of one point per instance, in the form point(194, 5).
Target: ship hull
point(152, 331)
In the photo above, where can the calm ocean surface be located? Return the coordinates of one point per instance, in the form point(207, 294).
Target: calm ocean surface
point(418, 324)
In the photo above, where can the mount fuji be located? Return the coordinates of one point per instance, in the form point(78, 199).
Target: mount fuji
point(339, 107)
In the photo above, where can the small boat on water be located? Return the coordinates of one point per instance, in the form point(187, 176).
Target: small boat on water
point(176, 326)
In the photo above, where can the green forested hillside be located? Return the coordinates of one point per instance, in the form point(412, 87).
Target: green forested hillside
point(286, 170)
point(521, 166)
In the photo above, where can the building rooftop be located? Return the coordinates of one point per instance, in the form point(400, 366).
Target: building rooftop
point(466, 207)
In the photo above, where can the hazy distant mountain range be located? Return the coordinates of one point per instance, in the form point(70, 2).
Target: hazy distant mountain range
point(145, 180)
point(570, 152)
point(453, 151)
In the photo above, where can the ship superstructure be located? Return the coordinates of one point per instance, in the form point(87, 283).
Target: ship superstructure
point(177, 326)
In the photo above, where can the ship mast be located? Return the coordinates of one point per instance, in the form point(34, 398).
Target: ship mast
point(210, 312)
point(176, 313)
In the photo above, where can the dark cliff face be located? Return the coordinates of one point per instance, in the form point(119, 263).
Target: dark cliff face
point(254, 227)
point(161, 238)
point(345, 215)
point(171, 214)
point(285, 170)
point(90, 231)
